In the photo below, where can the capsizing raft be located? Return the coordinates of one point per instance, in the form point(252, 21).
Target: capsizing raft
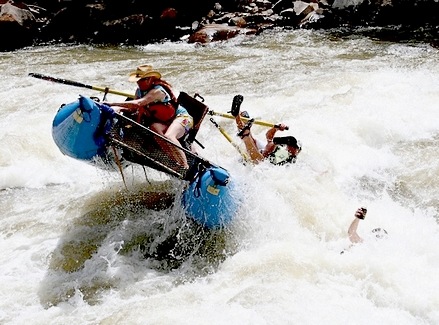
point(94, 133)
point(78, 129)
point(210, 198)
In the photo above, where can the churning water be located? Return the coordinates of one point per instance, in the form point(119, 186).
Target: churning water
point(78, 247)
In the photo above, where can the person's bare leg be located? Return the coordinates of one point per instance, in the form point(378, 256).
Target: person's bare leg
point(249, 141)
point(239, 123)
point(172, 133)
point(252, 149)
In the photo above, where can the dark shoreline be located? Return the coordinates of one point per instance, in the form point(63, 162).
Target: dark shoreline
point(111, 22)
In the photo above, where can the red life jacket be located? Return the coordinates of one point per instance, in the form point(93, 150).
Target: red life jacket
point(159, 112)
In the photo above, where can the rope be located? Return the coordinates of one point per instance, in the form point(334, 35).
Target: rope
point(120, 166)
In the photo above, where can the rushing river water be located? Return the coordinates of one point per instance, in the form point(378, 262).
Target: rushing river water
point(77, 247)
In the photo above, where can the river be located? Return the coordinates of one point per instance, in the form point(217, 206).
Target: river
point(77, 247)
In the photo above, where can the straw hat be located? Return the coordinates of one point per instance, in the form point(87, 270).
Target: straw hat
point(143, 71)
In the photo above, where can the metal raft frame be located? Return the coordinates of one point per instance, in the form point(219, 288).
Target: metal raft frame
point(143, 146)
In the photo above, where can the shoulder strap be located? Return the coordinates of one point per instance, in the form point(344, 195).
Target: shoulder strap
point(168, 90)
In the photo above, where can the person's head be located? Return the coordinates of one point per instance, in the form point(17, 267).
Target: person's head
point(145, 76)
point(287, 150)
point(380, 233)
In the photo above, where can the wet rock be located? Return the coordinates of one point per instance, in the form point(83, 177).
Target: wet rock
point(218, 32)
point(16, 25)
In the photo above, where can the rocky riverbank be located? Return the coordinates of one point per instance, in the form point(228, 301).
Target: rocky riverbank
point(114, 22)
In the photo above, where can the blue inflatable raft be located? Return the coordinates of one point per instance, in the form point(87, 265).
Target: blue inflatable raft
point(86, 130)
point(75, 129)
point(209, 199)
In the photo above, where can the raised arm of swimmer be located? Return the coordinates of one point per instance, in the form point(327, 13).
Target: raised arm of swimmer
point(360, 214)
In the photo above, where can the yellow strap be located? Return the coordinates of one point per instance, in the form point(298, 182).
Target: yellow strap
point(229, 138)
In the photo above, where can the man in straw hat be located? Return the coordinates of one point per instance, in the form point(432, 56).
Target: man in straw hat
point(156, 106)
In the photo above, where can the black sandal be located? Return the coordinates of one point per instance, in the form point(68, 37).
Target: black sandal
point(247, 128)
point(236, 105)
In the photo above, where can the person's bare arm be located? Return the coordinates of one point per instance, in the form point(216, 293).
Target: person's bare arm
point(269, 135)
point(360, 214)
point(352, 232)
point(154, 95)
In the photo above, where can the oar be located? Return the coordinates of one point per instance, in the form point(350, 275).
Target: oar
point(245, 119)
point(229, 138)
point(81, 85)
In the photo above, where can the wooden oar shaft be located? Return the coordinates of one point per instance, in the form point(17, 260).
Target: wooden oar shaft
point(81, 85)
point(245, 119)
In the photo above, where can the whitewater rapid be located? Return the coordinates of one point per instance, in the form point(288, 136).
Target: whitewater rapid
point(77, 247)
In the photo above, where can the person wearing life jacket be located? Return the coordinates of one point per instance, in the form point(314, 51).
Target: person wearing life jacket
point(156, 107)
point(278, 150)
